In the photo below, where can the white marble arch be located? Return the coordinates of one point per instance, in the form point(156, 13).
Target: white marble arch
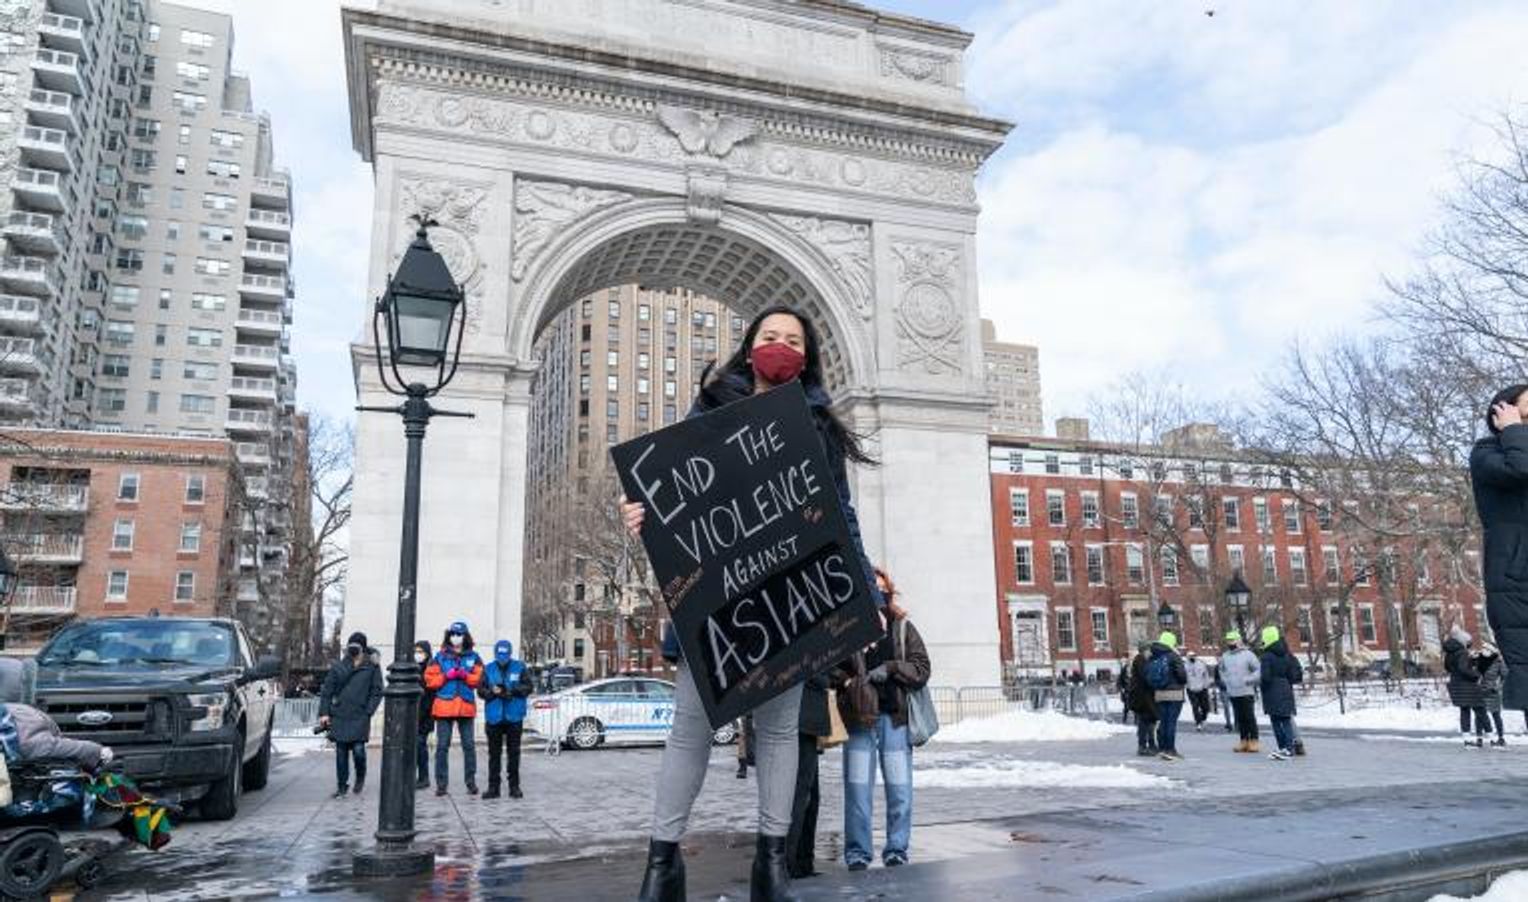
point(565, 150)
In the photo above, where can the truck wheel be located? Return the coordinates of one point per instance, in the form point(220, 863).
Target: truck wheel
point(221, 802)
point(30, 863)
point(257, 772)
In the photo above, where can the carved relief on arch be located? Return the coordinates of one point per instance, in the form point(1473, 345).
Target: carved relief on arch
point(544, 210)
point(928, 319)
point(458, 209)
point(846, 245)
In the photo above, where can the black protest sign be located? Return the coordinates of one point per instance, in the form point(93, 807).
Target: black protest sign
point(751, 548)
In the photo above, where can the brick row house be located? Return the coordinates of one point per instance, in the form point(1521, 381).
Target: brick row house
point(1091, 539)
point(102, 524)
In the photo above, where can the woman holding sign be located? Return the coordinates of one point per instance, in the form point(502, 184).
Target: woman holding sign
point(780, 346)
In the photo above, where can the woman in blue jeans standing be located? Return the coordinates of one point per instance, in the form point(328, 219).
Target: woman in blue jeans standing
point(879, 678)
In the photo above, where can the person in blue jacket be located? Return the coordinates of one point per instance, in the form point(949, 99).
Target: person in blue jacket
point(506, 684)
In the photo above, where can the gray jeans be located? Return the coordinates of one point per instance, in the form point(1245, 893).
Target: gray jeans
point(688, 754)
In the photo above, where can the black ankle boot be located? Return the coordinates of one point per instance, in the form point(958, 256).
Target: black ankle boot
point(664, 880)
point(770, 881)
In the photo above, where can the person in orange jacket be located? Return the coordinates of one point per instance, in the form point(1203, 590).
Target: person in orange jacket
point(453, 675)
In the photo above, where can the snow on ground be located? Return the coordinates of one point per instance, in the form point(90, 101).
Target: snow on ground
point(1029, 726)
point(1511, 887)
point(298, 745)
point(1010, 773)
point(1400, 717)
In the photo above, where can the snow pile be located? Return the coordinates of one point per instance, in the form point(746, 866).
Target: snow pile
point(1029, 726)
point(298, 745)
point(1511, 887)
point(1016, 774)
point(1398, 717)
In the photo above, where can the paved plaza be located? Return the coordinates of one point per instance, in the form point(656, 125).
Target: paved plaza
point(1083, 819)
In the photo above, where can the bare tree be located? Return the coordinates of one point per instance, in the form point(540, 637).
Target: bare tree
point(320, 547)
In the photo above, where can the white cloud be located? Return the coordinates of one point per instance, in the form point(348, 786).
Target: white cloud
point(1189, 192)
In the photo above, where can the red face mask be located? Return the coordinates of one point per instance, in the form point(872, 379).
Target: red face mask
point(777, 363)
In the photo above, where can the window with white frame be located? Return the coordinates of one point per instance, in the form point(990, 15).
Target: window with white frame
point(1129, 510)
point(116, 585)
point(1302, 626)
point(1066, 629)
point(191, 536)
point(122, 535)
point(1162, 510)
point(185, 585)
point(1291, 516)
point(127, 487)
point(1236, 556)
point(1260, 514)
point(196, 489)
point(1231, 514)
point(1195, 507)
point(1367, 630)
point(1023, 563)
point(1331, 565)
point(1169, 566)
point(1200, 555)
point(1361, 567)
point(1018, 506)
point(1055, 507)
point(1100, 628)
point(1053, 464)
point(1270, 567)
point(1207, 627)
point(1297, 571)
point(1324, 515)
point(1085, 465)
point(1090, 517)
point(1135, 564)
point(1015, 461)
point(1061, 563)
point(1095, 561)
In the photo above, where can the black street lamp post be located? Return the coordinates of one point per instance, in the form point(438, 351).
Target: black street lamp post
point(1239, 599)
point(1167, 618)
point(421, 308)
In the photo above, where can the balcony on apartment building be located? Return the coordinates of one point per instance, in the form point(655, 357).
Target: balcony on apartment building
point(249, 590)
point(63, 32)
point(43, 600)
point(270, 288)
point(89, 10)
point(52, 109)
point(36, 233)
point(20, 314)
point(47, 148)
point(264, 322)
point(16, 398)
point(275, 190)
point(257, 487)
point(44, 496)
point(268, 224)
point(252, 454)
point(249, 388)
point(40, 188)
point(262, 356)
point(248, 421)
point(50, 549)
point(58, 70)
point(19, 355)
point(30, 275)
point(268, 253)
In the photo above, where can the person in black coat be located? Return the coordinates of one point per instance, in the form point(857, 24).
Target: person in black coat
point(422, 654)
point(1499, 475)
point(801, 841)
point(1280, 674)
point(1464, 689)
point(350, 696)
point(1143, 703)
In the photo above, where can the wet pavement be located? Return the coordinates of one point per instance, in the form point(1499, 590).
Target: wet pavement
point(1077, 820)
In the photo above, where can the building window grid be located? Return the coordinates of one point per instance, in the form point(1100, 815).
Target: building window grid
point(1023, 563)
point(122, 534)
point(1066, 630)
point(1018, 506)
point(1055, 507)
point(1090, 510)
point(1100, 620)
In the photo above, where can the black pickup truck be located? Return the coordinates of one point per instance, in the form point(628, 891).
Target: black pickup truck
point(183, 702)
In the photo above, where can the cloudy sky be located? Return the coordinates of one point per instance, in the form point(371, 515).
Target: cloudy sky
point(1181, 190)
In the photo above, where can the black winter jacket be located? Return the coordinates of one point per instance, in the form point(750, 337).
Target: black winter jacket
point(350, 696)
point(1464, 689)
point(1143, 699)
point(426, 694)
point(1499, 473)
point(1281, 673)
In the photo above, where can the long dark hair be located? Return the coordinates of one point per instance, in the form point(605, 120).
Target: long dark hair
point(1508, 395)
point(714, 390)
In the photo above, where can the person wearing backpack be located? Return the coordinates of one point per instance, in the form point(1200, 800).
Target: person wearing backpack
point(1143, 703)
point(895, 665)
point(1167, 677)
point(505, 687)
point(1279, 675)
point(1241, 673)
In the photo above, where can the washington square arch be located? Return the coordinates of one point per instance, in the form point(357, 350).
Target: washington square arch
point(811, 152)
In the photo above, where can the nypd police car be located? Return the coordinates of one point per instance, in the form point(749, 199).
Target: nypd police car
point(615, 711)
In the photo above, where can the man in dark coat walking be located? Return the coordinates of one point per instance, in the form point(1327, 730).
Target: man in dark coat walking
point(1280, 673)
point(350, 696)
point(1464, 689)
point(1499, 475)
point(801, 840)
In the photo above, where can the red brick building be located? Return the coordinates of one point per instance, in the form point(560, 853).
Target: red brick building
point(1082, 568)
point(101, 524)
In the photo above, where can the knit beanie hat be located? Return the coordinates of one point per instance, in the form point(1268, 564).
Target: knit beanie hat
point(1168, 639)
point(1270, 635)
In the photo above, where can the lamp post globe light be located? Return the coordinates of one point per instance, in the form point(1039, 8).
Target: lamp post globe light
point(1167, 618)
point(1239, 600)
point(424, 314)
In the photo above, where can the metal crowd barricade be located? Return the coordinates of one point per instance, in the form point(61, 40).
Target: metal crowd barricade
point(295, 717)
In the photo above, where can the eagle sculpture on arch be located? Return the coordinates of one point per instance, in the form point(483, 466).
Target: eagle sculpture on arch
point(705, 131)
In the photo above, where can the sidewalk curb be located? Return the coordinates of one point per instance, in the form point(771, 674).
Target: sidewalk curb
point(1462, 867)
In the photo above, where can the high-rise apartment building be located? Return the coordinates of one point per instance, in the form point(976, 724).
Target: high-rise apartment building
point(146, 275)
point(67, 82)
point(615, 365)
point(1013, 379)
